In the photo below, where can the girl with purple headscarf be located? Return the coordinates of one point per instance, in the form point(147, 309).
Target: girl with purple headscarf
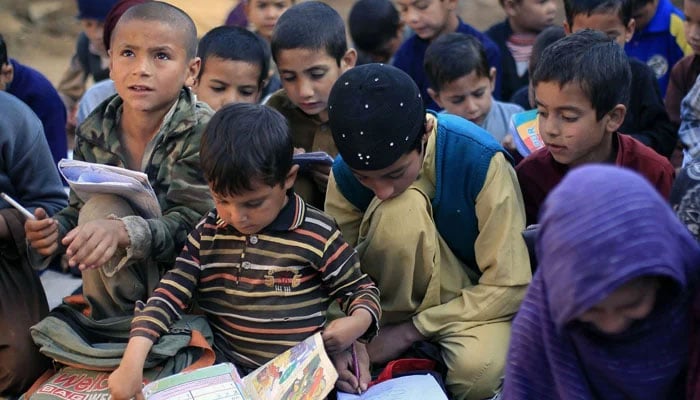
point(607, 315)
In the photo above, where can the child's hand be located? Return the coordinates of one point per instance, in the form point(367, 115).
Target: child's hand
point(508, 142)
point(92, 244)
point(339, 334)
point(125, 384)
point(42, 233)
point(347, 381)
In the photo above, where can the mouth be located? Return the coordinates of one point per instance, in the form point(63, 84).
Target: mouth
point(555, 147)
point(140, 88)
point(310, 105)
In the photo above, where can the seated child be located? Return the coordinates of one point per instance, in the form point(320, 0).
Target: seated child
point(516, 35)
point(154, 125)
point(429, 19)
point(263, 265)
point(686, 71)
point(35, 90)
point(581, 87)
point(462, 83)
point(310, 49)
point(376, 30)
point(235, 65)
point(646, 119)
point(607, 315)
point(433, 205)
point(689, 132)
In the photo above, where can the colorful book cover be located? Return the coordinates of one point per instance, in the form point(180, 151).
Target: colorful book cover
point(524, 127)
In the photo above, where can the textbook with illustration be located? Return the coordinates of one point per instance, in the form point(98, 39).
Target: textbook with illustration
point(87, 179)
point(302, 372)
point(410, 387)
point(524, 127)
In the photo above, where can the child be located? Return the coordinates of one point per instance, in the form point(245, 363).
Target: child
point(263, 265)
point(607, 315)
point(659, 40)
point(310, 49)
point(376, 29)
point(462, 83)
point(646, 119)
point(153, 126)
point(581, 87)
point(429, 19)
point(515, 36)
point(262, 15)
point(27, 173)
point(32, 87)
point(686, 71)
point(235, 65)
point(432, 204)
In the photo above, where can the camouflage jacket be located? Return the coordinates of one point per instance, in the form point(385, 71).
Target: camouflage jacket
point(173, 170)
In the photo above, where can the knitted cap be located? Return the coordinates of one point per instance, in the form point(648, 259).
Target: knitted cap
point(376, 113)
point(94, 9)
point(113, 17)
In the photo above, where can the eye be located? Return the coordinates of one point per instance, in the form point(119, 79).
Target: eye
point(457, 100)
point(422, 5)
point(162, 56)
point(288, 77)
point(479, 93)
point(542, 113)
point(569, 118)
point(217, 89)
point(246, 92)
point(317, 73)
point(126, 53)
point(254, 204)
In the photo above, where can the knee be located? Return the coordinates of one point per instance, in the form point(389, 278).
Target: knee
point(475, 375)
point(102, 205)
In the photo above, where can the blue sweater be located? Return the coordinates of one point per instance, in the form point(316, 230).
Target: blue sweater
point(30, 86)
point(463, 154)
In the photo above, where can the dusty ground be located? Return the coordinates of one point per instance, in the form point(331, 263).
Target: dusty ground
point(41, 33)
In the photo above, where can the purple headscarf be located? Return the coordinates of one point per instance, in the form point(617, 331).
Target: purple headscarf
point(602, 227)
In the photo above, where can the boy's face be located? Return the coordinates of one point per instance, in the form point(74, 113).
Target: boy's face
point(252, 211)
point(228, 81)
point(468, 96)
point(568, 124)
point(691, 9)
point(93, 30)
point(644, 14)
point(263, 14)
point(427, 18)
point(531, 15)
point(384, 53)
point(608, 23)
point(149, 65)
point(308, 76)
point(7, 74)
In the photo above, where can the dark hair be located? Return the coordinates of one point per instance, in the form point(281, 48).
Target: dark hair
point(244, 143)
point(237, 44)
point(167, 14)
point(372, 23)
point(623, 9)
point(548, 36)
point(3, 51)
point(591, 60)
point(310, 25)
point(637, 4)
point(452, 56)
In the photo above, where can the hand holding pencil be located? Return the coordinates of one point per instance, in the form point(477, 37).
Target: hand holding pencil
point(42, 233)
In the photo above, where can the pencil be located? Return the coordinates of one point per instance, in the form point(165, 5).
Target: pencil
point(356, 366)
point(18, 206)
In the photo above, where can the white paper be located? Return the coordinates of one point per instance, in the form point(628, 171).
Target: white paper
point(412, 387)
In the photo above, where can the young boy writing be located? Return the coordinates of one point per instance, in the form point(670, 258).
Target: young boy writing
point(646, 119)
point(429, 19)
point(263, 265)
point(235, 64)
point(154, 126)
point(433, 206)
point(582, 83)
point(310, 48)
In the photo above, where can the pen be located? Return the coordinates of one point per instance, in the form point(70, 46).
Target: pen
point(18, 206)
point(356, 366)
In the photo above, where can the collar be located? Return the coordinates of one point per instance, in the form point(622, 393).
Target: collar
point(290, 217)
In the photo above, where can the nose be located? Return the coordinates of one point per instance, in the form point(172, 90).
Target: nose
point(410, 16)
point(382, 190)
point(305, 87)
point(611, 324)
point(142, 66)
point(547, 126)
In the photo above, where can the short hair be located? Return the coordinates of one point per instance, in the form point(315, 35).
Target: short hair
point(372, 23)
point(591, 60)
point(310, 25)
point(167, 14)
point(236, 44)
point(452, 56)
point(244, 143)
point(623, 9)
point(113, 17)
point(3, 51)
point(637, 4)
point(548, 36)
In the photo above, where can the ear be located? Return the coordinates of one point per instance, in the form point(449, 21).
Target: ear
point(629, 29)
point(567, 28)
point(193, 71)
point(246, 8)
point(7, 74)
point(109, 54)
point(348, 61)
point(291, 177)
point(492, 78)
point(616, 117)
point(429, 126)
point(452, 4)
point(510, 7)
point(435, 95)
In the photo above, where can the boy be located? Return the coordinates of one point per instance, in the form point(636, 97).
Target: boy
point(310, 49)
point(154, 126)
point(376, 29)
point(263, 265)
point(582, 83)
point(646, 119)
point(235, 65)
point(658, 40)
point(430, 19)
point(515, 37)
point(32, 87)
point(262, 15)
point(432, 204)
point(28, 174)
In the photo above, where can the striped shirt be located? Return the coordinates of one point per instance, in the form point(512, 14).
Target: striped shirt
point(262, 293)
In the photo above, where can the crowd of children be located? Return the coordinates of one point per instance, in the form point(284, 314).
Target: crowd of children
point(411, 243)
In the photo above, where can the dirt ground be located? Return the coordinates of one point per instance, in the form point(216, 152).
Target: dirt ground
point(41, 33)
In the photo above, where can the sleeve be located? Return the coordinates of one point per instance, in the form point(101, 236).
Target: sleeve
point(173, 294)
point(501, 255)
point(674, 94)
point(345, 214)
point(689, 131)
